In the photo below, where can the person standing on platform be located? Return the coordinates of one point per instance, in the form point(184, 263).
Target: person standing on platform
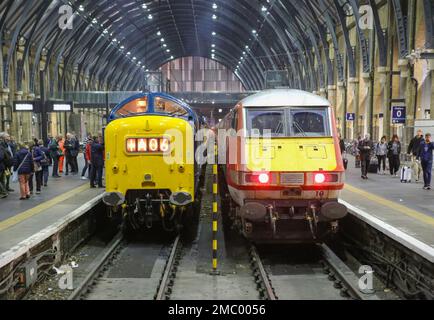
point(11, 150)
point(23, 165)
point(68, 155)
point(413, 150)
point(96, 162)
point(426, 158)
point(341, 144)
point(366, 148)
point(62, 157)
point(86, 153)
point(37, 156)
point(393, 153)
point(3, 165)
point(381, 153)
point(75, 152)
point(55, 153)
point(45, 162)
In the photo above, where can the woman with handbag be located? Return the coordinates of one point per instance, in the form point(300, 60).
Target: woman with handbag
point(23, 168)
point(45, 162)
point(38, 157)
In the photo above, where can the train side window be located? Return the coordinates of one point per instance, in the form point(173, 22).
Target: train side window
point(134, 107)
point(163, 105)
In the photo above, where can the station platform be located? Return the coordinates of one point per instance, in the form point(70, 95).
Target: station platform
point(404, 211)
point(20, 220)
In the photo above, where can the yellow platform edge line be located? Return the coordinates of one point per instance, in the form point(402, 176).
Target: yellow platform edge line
point(398, 207)
point(40, 208)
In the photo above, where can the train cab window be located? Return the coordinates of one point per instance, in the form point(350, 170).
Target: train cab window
point(133, 107)
point(163, 105)
point(260, 121)
point(309, 123)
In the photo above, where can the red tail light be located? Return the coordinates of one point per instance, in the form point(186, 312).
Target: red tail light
point(257, 178)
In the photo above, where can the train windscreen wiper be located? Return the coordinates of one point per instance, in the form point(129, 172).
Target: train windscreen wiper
point(297, 125)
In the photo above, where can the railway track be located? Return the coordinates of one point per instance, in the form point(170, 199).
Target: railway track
point(305, 281)
point(120, 273)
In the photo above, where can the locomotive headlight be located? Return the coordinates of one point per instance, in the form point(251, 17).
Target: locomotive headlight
point(264, 178)
point(320, 178)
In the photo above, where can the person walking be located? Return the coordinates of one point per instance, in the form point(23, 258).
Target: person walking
point(45, 162)
point(381, 153)
point(97, 162)
point(426, 158)
point(23, 166)
point(365, 148)
point(86, 153)
point(413, 150)
point(393, 153)
point(55, 153)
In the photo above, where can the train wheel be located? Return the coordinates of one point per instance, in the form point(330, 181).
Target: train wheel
point(190, 223)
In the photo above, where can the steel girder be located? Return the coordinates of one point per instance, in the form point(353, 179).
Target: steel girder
point(428, 6)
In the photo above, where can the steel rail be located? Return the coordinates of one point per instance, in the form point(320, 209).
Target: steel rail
point(165, 280)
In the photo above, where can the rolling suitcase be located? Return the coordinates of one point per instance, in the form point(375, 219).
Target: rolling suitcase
point(373, 166)
point(405, 174)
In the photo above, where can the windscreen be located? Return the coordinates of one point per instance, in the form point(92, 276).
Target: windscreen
point(288, 122)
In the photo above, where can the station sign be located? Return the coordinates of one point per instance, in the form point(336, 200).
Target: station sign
point(351, 116)
point(26, 106)
point(59, 106)
point(398, 115)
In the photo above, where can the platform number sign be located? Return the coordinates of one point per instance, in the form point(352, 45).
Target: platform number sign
point(351, 116)
point(398, 115)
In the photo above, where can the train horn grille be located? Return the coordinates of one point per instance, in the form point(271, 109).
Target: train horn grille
point(292, 178)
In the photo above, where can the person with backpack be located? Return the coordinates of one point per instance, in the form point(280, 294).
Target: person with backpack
point(393, 153)
point(97, 162)
point(426, 158)
point(23, 166)
point(381, 153)
point(413, 150)
point(45, 162)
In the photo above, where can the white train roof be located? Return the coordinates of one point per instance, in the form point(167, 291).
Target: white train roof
point(283, 98)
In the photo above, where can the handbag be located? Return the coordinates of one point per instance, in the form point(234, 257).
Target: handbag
point(36, 166)
point(15, 174)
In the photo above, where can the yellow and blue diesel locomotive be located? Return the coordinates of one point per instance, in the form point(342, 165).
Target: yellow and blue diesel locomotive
point(283, 170)
point(151, 174)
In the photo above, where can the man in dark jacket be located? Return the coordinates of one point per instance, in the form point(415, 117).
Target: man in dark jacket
point(366, 147)
point(10, 149)
point(413, 150)
point(426, 158)
point(3, 191)
point(97, 162)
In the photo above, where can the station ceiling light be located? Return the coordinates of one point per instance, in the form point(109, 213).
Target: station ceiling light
point(168, 50)
point(81, 8)
point(150, 17)
point(263, 9)
point(162, 39)
point(214, 17)
point(254, 31)
point(171, 57)
point(128, 53)
point(144, 6)
point(213, 45)
point(213, 33)
point(164, 45)
point(214, 6)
